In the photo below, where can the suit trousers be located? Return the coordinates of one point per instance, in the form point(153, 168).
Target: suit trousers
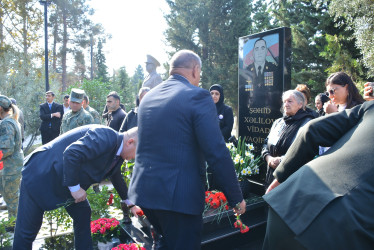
point(278, 235)
point(30, 218)
point(179, 231)
point(49, 134)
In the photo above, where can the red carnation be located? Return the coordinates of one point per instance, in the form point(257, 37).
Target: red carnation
point(1, 154)
point(110, 201)
point(140, 213)
point(1, 165)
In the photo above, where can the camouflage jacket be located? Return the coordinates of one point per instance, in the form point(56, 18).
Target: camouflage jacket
point(73, 120)
point(95, 115)
point(10, 144)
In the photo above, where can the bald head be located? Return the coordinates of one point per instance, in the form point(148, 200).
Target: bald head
point(188, 64)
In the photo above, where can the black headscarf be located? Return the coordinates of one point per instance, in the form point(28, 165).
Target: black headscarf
point(219, 105)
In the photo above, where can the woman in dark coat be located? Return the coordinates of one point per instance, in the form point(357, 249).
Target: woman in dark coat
point(284, 131)
point(224, 112)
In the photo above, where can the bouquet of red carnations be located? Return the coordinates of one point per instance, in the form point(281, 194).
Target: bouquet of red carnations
point(104, 229)
point(216, 200)
point(132, 246)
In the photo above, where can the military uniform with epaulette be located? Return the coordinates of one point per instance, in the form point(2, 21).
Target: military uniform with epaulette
point(95, 115)
point(10, 145)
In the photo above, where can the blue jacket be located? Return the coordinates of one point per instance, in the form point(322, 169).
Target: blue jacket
point(81, 156)
point(178, 132)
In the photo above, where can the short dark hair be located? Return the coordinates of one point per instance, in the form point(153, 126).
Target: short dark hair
point(66, 96)
point(50, 92)
point(114, 94)
point(85, 97)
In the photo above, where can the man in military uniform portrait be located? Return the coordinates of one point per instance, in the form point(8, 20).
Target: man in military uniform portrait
point(95, 115)
point(260, 76)
point(77, 116)
point(153, 79)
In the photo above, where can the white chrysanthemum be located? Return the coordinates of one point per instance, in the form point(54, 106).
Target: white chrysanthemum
point(250, 146)
point(229, 145)
point(241, 161)
point(252, 157)
point(244, 172)
point(247, 153)
point(236, 160)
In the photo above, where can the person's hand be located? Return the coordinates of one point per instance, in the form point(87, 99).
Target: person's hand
point(79, 195)
point(273, 162)
point(330, 107)
point(273, 185)
point(367, 91)
point(241, 208)
point(135, 210)
point(57, 114)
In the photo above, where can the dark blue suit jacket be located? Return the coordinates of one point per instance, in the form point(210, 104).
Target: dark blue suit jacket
point(81, 156)
point(178, 131)
point(45, 116)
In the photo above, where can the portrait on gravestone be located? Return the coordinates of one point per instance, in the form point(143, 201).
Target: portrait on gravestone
point(264, 74)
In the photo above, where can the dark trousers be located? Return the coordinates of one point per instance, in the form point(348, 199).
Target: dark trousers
point(49, 134)
point(278, 235)
point(30, 217)
point(179, 231)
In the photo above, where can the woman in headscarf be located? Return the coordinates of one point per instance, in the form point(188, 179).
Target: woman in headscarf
point(12, 155)
point(224, 112)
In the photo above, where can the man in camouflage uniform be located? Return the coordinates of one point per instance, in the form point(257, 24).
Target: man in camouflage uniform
point(10, 145)
point(92, 111)
point(77, 116)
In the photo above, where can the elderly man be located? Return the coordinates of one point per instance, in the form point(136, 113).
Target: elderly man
point(77, 116)
point(178, 131)
point(326, 202)
point(153, 79)
point(61, 172)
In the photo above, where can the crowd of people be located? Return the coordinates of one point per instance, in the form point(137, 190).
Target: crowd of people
point(173, 131)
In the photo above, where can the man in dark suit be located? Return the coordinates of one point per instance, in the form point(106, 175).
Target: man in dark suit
point(326, 202)
point(178, 132)
point(51, 115)
point(59, 174)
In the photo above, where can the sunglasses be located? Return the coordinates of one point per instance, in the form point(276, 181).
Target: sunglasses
point(331, 91)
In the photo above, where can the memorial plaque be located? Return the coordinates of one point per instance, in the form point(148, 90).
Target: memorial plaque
point(264, 74)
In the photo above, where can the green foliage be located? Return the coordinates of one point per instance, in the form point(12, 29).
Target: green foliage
point(58, 217)
point(98, 203)
point(357, 16)
point(102, 69)
point(6, 238)
point(96, 90)
point(211, 29)
point(65, 241)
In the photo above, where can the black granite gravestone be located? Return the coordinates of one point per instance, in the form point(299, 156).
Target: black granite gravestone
point(264, 74)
